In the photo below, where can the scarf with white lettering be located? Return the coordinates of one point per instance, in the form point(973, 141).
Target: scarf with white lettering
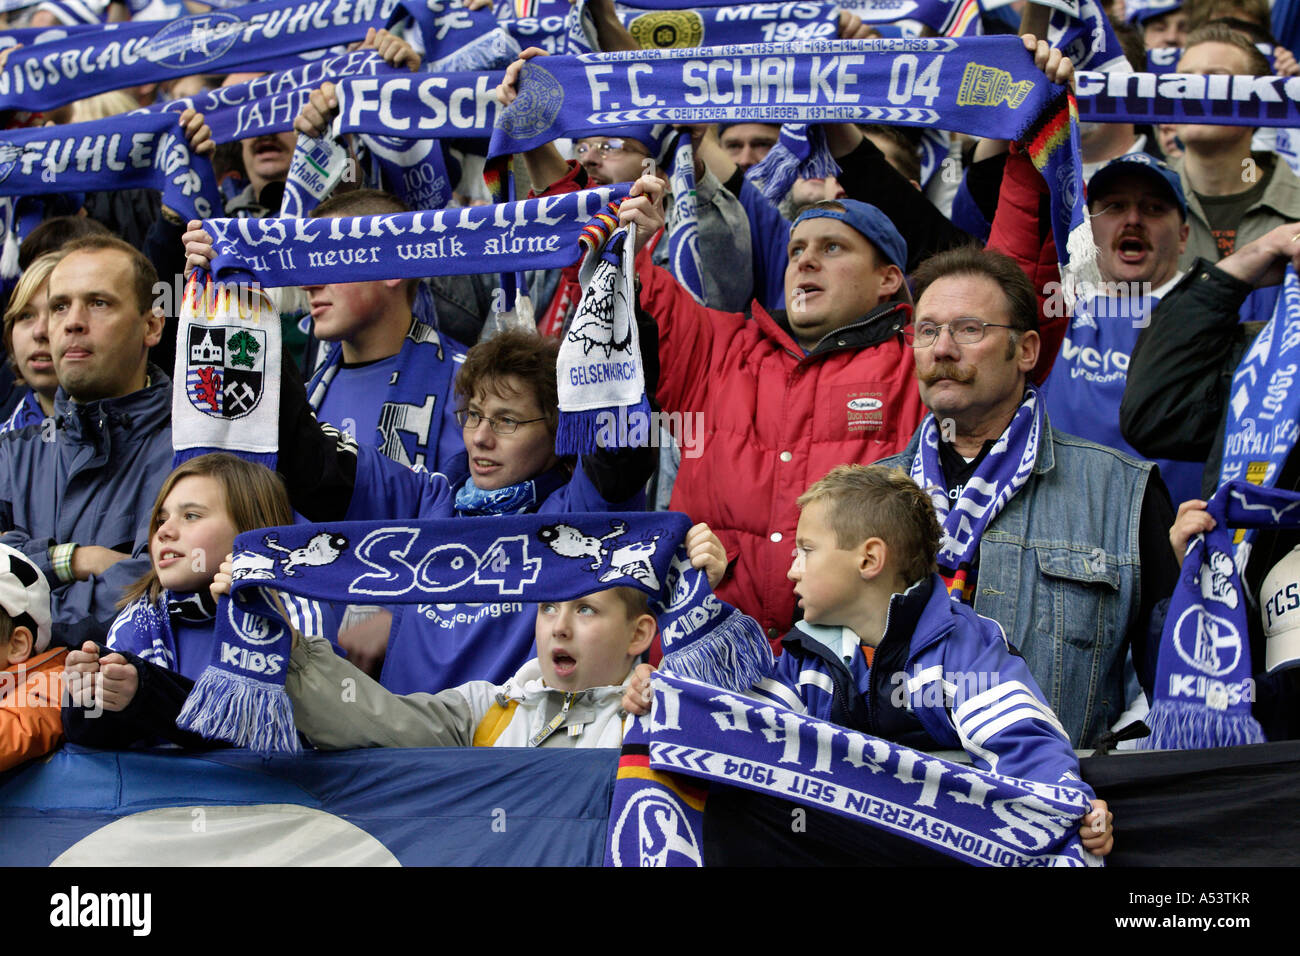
point(699, 733)
point(412, 417)
point(599, 373)
point(1221, 99)
point(1001, 474)
point(800, 153)
point(121, 152)
point(1264, 404)
point(130, 54)
point(1087, 38)
point(269, 104)
point(1204, 679)
point(982, 85)
point(228, 357)
point(280, 252)
point(529, 558)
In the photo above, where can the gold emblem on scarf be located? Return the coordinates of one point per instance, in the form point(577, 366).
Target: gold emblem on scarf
point(989, 86)
point(667, 28)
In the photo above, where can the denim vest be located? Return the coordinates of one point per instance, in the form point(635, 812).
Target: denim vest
point(1059, 570)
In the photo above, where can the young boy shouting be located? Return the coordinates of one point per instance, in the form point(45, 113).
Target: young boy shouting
point(882, 649)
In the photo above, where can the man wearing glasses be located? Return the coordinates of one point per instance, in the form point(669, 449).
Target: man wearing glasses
point(1061, 541)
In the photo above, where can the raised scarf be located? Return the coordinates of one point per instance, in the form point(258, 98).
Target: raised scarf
point(800, 153)
point(695, 732)
point(281, 252)
point(228, 357)
point(721, 26)
point(1001, 474)
point(241, 698)
point(1220, 99)
point(599, 373)
point(131, 54)
point(982, 85)
point(1264, 404)
point(1204, 678)
point(121, 152)
point(411, 419)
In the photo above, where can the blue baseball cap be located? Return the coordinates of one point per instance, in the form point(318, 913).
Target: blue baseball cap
point(869, 221)
point(1140, 11)
point(1147, 166)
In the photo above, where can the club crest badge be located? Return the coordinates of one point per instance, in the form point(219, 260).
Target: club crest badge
point(667, 28)
point(539, 102)
point(194, 41)
point(226, 370)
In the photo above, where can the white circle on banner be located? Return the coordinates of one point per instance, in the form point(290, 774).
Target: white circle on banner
point(268, 834)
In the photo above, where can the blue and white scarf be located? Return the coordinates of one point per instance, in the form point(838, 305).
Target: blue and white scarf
point(1264, 404)
point(1220, 99)
point(228, 359)
point(1087, 38)
point(800, 153)
point(705, 733)
point(455, 39)
point(411, 419)
point(27, 412)
point(144, 627)
point(528, 558)
point(1001, 474)
point(269, 104)
point(1165, 59)
point(281, 252)
point(131, 54)
point(599, 373)
point(983, 85)
point(1204, 679)
point(122, 152)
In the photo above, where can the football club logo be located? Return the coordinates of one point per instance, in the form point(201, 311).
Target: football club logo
point(1209, 643)
point(226, 370)
point(538, 104)
point(653, 830)
point(667, 28)
point(10, 153)
point(192, 42)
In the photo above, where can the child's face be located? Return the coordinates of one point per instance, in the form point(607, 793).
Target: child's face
point(588, 642)
point(828, 579)
point(194, 535)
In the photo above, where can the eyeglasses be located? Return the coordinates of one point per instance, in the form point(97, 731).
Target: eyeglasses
point(963, 332)
point(501, 426)
point(605, 147)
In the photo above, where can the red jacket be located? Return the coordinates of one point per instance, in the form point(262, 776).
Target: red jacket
point(771, 422)
point(774, 421)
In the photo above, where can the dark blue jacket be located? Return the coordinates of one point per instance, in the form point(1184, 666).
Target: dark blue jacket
point(943, 677)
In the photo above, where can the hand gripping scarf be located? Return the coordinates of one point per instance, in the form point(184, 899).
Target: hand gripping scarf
point(529, 558)
point(1204, 680)
point(696, 735)
point(800, 153)
point(1001, 474)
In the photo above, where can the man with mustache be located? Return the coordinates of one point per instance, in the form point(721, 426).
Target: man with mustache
point(1139, 222)
point(1061, 541)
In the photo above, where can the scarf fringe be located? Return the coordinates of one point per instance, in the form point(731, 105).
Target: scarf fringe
point(734, 655)
point(247, 713)
point(494, 50)
point(1178, 725)
point(579, 433)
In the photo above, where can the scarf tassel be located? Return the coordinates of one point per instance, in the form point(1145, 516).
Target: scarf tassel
point(584, 432)
point(1177, 725)
point(734, 655)
point(247, 713)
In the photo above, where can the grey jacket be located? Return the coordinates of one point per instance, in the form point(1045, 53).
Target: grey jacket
point(1280, 203)
point(338, 708)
